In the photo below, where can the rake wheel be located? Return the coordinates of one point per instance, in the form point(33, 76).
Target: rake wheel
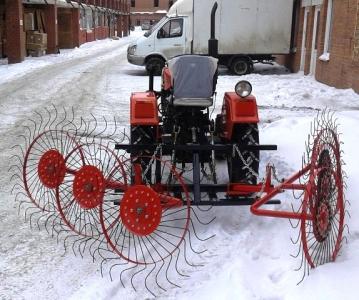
point(44, 166)
point(324, 201)
point(90, 182)
point(152, 217)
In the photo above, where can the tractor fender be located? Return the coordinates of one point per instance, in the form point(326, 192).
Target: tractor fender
point(237, 110)
point(144, 109)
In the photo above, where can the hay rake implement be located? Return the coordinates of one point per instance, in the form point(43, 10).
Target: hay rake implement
point(138, 202)
point(136, 206)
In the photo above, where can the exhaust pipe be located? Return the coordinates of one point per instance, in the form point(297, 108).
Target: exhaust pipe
point(213, 42)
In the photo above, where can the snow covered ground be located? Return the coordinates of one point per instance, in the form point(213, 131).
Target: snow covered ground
point(249, 257)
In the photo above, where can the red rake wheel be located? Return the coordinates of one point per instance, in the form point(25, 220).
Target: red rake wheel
point(51, 169)
point(91, 181)
point(152, 217)
point(141, 210)
point(44, 166)
point(324, 201)
point(89, 187)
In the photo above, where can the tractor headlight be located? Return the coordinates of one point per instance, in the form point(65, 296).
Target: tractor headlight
point(243, 88)
point(131, 49)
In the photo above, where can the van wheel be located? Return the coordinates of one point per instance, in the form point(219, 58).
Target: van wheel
point(241, 66)
point(155, 64)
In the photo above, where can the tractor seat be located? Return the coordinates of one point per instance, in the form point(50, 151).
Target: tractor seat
point(194, 80)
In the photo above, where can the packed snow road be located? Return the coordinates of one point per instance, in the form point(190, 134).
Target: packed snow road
point(249, 257)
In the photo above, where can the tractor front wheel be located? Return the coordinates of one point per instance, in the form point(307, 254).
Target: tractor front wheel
point(142, 135)
point(243, 167)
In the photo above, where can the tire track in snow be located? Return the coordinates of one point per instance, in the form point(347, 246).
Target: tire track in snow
point(64, 85)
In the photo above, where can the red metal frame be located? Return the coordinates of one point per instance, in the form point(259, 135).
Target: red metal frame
point(287, 184)
point(167, 202)
point(234, 189)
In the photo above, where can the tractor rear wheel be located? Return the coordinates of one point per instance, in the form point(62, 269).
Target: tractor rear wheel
point(244, 169)
point(142, 135)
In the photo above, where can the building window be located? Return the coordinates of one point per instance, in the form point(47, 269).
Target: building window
point(82, 19)
point(328, 31)
point(95, 18)
point(155, 3)
point(99, 20)
point(89, 20)
point(133, 3)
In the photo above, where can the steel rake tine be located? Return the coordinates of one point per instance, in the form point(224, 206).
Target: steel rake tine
point(176, 265)
point(166, 273)
point(126, 270)
point(194, 232)
point(18, 186)
point(199, 221)
point(20, 148)
point(156, 277)
point(32, 215)
point(146, 278)
point(185, 256)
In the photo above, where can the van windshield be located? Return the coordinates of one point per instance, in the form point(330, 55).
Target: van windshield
point(154, 27)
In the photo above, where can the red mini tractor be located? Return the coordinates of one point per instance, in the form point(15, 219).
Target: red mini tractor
point(136, 204)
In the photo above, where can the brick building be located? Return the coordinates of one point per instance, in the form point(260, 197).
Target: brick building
point(148, 11)
point(56, 24)
point(326, 41)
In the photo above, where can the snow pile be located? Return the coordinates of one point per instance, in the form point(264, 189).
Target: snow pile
point(249, 257)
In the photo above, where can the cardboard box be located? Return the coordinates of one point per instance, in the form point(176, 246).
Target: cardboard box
point(29, 22)
point(34, 37)
point(37, 53)
point(34, 47)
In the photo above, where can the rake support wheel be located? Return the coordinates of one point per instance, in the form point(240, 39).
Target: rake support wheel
point(323, 201)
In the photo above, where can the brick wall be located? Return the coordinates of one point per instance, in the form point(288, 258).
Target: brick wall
point(139, 19)
point(356, 37)
point(15, 36)
point(2, 28)
point(145, 11)
point(62, 25)
point(148, 5)
point(65, 32)
point(51, 28)
point(342, 69)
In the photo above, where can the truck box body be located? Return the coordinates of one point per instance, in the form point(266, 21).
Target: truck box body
point(248, 31)
point(244, 26)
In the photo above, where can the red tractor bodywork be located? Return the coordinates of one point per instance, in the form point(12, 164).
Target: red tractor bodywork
point(144, 109)
point(237, 110)
point(166, 79)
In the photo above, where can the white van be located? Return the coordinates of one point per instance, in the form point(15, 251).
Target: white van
point(247, 31)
